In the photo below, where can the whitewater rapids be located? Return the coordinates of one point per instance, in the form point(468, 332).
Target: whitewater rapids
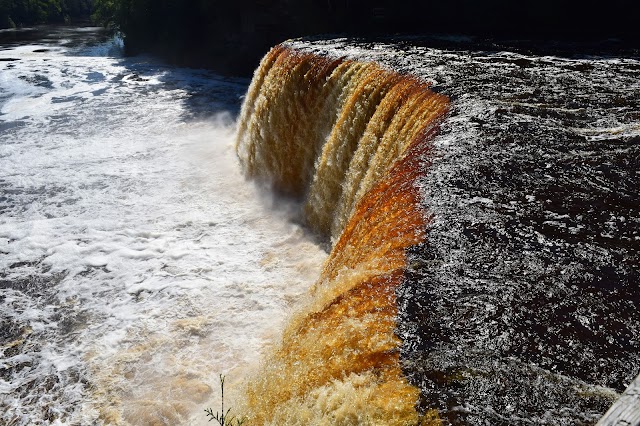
point(136, 264)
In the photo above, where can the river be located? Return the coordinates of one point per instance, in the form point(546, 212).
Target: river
point(490, 275)
point(136, 264)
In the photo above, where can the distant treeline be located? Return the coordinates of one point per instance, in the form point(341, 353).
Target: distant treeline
point(231, 35)
point(18, 13)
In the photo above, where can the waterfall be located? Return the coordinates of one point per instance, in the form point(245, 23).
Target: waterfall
point(350, 138)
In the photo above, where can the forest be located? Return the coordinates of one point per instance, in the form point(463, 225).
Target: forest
point(224, 35)
point(20, 13)
point(230, 36)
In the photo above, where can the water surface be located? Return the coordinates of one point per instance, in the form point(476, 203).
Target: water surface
point(136, 263)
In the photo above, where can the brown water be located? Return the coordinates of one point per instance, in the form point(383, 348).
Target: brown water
point(508, 280)
point(338, 362)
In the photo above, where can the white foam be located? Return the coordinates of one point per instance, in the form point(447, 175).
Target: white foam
point(165, 268)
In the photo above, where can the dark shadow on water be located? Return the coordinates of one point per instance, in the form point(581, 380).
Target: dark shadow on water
point(571, 49)
point(54, 36)
point(202, 93)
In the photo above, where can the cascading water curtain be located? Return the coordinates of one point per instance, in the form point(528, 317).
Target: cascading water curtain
point(351, 139)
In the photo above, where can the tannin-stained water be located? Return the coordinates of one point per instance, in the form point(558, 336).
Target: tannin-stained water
point(136, 264)
point(488, 276)
point(495, 264)
point(521, 305)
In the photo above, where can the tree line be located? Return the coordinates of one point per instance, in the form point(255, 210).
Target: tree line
point(231, 35)
point(19, 13)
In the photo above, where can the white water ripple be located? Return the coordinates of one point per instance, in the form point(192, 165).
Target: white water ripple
point(136, 263)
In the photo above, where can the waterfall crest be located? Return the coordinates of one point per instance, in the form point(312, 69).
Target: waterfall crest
point(351, 138)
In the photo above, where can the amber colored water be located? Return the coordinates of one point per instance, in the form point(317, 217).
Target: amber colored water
point(338, 361)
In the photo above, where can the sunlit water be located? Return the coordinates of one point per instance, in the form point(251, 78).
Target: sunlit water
point(136, 264)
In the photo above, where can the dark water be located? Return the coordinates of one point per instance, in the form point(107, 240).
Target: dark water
point(522, 307)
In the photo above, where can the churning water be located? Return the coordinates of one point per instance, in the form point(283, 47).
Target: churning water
point(522, 306)
point(518, 305)
point(136, 264)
